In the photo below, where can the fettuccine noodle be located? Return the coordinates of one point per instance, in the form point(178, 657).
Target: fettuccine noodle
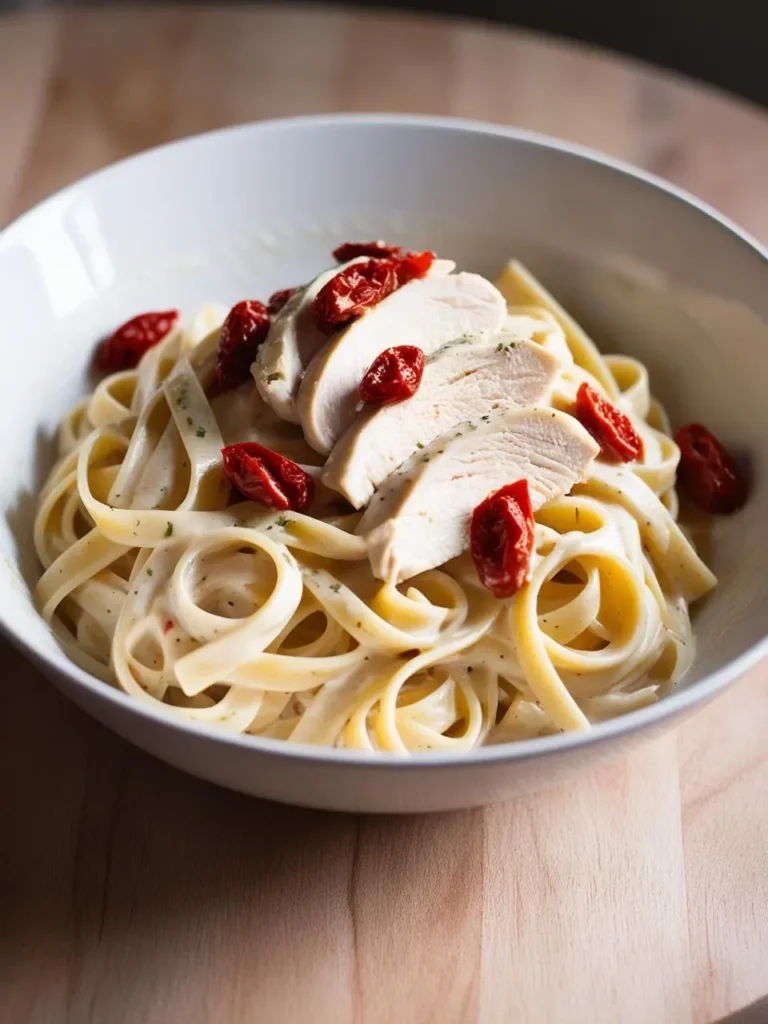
point(272, 623)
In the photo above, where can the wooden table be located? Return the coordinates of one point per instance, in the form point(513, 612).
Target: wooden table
point(131, 893)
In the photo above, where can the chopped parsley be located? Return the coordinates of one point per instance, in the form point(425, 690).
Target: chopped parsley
point(169, 529)
point(189, 420)
point(283, 520)
point(335, 587)
point(274, 376)
point(200, 432)
point(419, 444)
point(149, 572)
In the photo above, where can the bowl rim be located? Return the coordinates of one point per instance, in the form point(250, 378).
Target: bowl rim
point(669, 707)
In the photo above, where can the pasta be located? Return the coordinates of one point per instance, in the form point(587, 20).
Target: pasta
point(272, 623)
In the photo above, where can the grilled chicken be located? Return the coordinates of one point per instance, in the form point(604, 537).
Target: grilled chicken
point(419, 518)
point(427, 312)
point(462, 380)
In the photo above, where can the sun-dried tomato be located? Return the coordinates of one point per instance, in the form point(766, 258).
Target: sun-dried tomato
point(393, 376)
point(352, 291)
point(501, 539)
point(411, 265)
point(613, 431)
point(123, 349)
point(707, 471)
point(363, 285)
point(245, 328)
point(265, 476)
point(351, 250)
point(278, 299)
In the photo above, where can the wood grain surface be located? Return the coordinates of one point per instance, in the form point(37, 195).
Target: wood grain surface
point(132, 894)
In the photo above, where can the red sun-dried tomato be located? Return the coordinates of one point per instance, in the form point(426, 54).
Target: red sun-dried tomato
point(613, 431)
point(362, 285)
point(245, 328)
point(501, 536)
point(123, 349)
point(393, 376)
point(352, 291)
point(411, 265)
point(707, 471)
point(351, 250)
point(278, 299)
point(265, 476)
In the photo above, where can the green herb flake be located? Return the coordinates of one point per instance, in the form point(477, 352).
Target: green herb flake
point(335, 587)
point(169, 529)
point(273, 377)
point(419, 444)
point(283, 521)
point(190, 421)
point(200, 432)
point(149, 572)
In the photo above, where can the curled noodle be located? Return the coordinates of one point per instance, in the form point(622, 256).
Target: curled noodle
point(272, 624)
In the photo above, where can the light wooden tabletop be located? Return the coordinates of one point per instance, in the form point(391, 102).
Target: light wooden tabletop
point(131, 893)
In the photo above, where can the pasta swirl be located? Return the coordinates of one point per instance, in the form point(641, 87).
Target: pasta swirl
point(272, 623)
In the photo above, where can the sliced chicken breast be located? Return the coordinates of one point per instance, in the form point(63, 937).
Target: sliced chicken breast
point(540, 326)
point(427, 312)
point(462, 380)
point(419, 518)
point(519, 286)
point(294, 339)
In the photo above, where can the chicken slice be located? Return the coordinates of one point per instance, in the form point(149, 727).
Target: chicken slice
point(519, 286)
point(294, 339)
point(540, 326)
point(427, 312)
point(419, 518)
point(462, 380)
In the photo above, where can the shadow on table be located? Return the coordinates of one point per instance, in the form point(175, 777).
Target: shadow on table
point(755, 1013)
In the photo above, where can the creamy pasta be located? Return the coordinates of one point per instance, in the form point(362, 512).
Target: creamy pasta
point(272, 623)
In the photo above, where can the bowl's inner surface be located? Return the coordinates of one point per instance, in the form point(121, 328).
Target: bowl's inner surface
point(238, 215)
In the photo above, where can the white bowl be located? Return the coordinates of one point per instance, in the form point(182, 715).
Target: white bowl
point(648, 270)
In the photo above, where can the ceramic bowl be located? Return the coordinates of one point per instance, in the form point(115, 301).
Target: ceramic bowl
point(647, 269)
